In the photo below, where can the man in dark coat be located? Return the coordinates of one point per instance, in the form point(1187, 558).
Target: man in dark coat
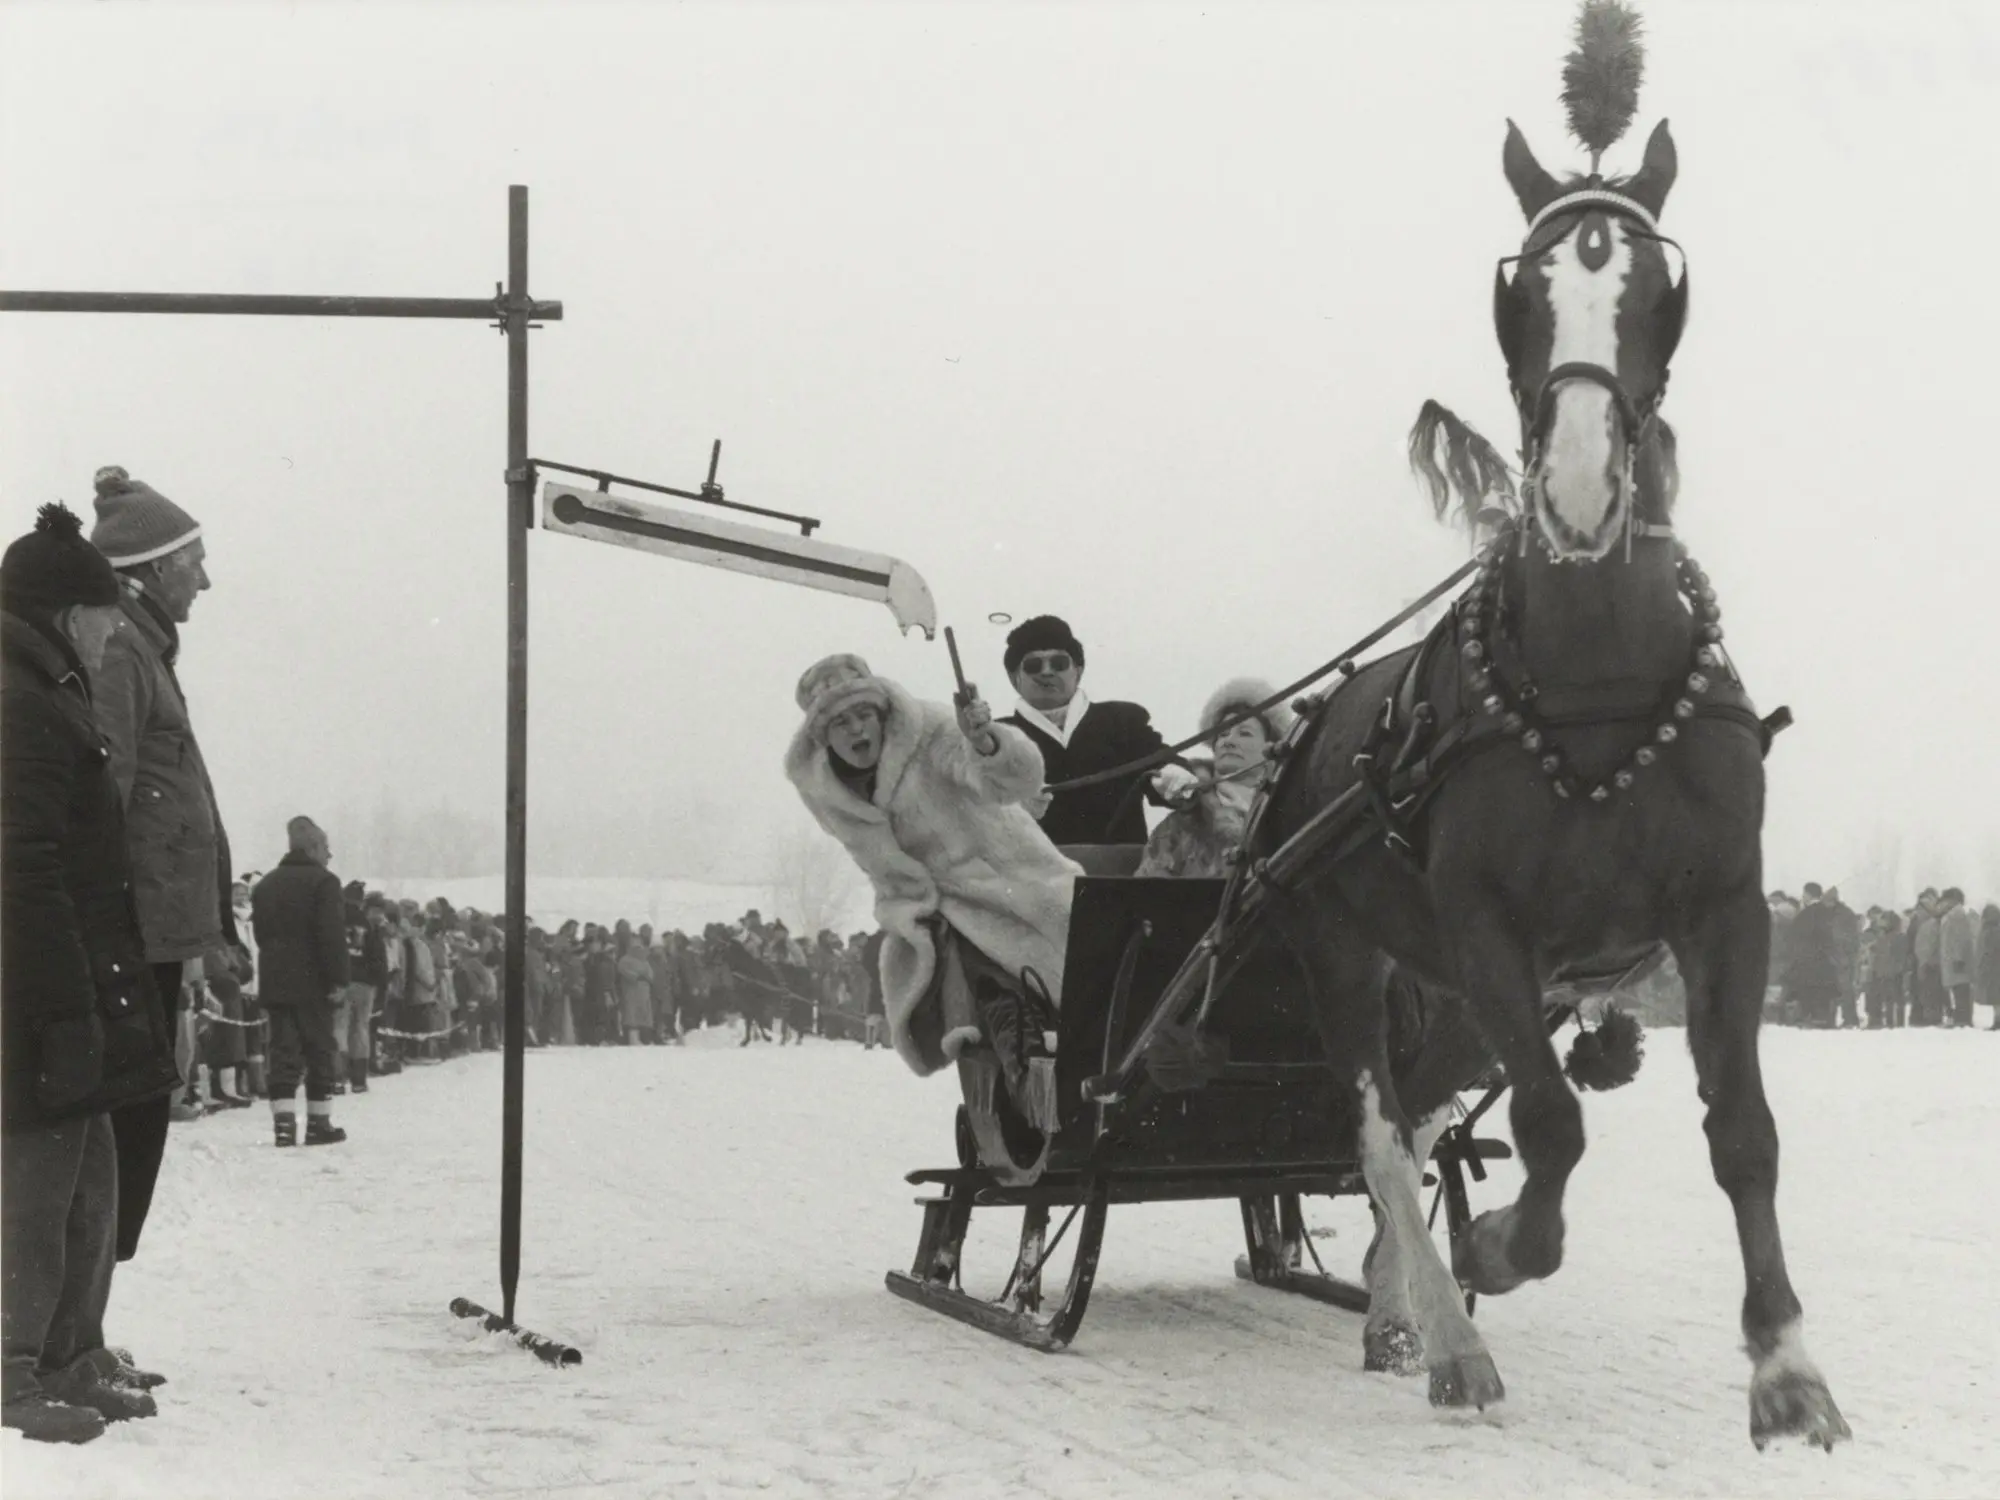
point(1812, 984)
point(84, 1030)
point(1079, 737)
point(300, 919)
point(173, 829)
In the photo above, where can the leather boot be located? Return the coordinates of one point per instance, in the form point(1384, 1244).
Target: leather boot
point(357, 1074)
point(321, 1131)
point(285, 1129)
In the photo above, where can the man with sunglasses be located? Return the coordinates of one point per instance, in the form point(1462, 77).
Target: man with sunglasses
point(1078, 737)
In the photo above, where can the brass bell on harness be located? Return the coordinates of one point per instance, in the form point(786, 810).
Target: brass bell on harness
point(1666, 734)
point(1683, 708)
point(1697, 683)
point(1623, 779)
point(1645, 755)
point(1532, 741)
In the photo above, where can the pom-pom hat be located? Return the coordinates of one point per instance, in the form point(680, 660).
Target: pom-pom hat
point(835, 684)
point(135, 522)
point(53, 567)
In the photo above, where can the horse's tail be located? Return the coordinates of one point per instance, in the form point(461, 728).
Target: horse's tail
point(1453, 460)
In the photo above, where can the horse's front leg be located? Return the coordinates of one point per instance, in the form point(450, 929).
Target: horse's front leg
point(1722, 959)
point(1345, 977)
point(1392, 1342)
point(1524, 1240)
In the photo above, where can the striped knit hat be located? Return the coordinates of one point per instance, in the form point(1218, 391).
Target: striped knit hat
point(135, 522)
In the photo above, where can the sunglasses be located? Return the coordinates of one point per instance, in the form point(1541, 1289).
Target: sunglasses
point(1054, 661)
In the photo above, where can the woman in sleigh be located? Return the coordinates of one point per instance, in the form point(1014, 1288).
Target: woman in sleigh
point(934, 804)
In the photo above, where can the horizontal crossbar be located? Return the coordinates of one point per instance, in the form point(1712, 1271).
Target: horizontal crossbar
point(489, 308)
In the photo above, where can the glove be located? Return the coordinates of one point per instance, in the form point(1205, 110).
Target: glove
point(1177, 784)
point(70, 1064)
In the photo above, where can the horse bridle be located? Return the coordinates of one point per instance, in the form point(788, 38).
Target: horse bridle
point(1537, 408)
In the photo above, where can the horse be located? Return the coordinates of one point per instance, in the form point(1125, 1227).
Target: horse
point(1605, 793)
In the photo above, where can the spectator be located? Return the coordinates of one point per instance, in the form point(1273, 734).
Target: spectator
point(1846, 954)
point(298, 914)
point(222, 1046)
point(1927, 986)
point(245, 955)
point(666, 1003)
point(1078, 737)
point(1887, 973)
point(1812, 985)
point(1958, 952)
point(635, 989)
point(180, 855)
point(382, 967)
point(1986, 971)
point(84, 1030)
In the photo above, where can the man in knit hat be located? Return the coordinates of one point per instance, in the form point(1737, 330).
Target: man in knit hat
point(180, 858)
point(1080, 737)
point(83, 1031)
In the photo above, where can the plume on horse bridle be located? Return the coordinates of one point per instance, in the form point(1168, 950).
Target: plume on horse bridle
point(1453, 459)
point(1602, 74)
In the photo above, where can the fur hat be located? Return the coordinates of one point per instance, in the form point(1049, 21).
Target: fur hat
point(135, 522)
point(1239, 694)
point(53, 567)
point(837, 683)
point(1042, 633)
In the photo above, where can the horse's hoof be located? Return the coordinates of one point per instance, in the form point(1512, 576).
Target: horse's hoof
point(1479, 1260)
point(1469, 1380)
point(1395, 1348)
point(1795, 1403)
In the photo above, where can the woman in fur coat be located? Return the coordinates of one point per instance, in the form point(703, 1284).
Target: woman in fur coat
point(934, 806)
point(1195, 840)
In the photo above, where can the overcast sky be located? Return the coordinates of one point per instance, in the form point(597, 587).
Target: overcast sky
point(1116, 310)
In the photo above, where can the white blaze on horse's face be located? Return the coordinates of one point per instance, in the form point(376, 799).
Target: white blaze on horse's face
point(1584, 458)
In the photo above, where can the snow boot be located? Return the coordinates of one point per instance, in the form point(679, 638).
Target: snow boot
point(285, 1129)
point(85, 1384)
point(126, 1372)
point(321, 1131)
point(40, 1418)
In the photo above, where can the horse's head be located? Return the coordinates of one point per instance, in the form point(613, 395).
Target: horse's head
point(1588, 322)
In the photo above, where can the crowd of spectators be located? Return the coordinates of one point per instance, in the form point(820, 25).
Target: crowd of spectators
point(1928, 966)
point(425, 983)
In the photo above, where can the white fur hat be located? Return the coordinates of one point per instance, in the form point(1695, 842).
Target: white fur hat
point(1240, 693)
point(837, 683)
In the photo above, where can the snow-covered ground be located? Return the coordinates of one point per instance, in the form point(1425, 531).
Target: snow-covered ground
point(710, 1226)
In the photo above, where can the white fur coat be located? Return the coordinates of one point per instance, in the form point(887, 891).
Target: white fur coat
point(945, 833)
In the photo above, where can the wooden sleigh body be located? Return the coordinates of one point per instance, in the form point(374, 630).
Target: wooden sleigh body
point(1268, 1132)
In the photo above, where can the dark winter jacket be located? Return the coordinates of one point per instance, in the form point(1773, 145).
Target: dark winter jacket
point(1108, 734)
point(180, 857)
point(1813, 973)
point(301, 926)
point(1987, 971)
point(84, 1029)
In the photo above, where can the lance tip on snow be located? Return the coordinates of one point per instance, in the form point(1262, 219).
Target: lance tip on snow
point(548, 1351)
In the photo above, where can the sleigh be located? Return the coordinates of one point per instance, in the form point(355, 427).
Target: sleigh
point(1268, 1130)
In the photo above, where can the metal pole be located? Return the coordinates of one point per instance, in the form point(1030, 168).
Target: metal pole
point(263, 306)
point(520, 501)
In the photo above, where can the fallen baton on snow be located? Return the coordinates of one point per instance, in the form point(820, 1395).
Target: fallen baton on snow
point(548, 1351)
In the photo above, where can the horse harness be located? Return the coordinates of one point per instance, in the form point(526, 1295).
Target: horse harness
point(1413, 745)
